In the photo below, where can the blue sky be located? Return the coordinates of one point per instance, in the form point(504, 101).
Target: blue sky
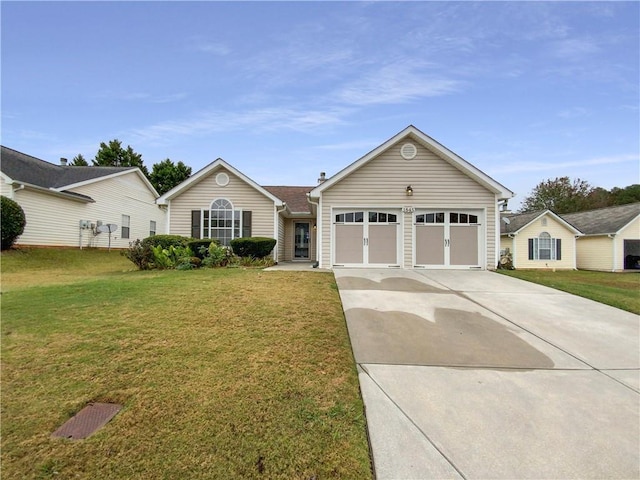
point(525, 91)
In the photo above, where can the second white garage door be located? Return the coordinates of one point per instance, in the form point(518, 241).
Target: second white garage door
point(366, 237)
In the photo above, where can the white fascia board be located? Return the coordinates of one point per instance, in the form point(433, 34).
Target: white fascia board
point(556, 217)
point(56, 193)
point(204, 172)
point(7, 179)
point(456, 161)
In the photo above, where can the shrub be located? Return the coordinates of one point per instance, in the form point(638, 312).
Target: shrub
point(200, 247)
point(140, 254)
point(256, 247)
point(217, 256)
point(166, 241)
point(165, 258)
point(12, 221)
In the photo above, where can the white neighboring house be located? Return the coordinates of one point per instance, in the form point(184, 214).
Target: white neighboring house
point(64, 206)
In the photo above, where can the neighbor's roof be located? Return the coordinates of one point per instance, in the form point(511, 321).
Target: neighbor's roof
point(294, 197)
point(34, 172)
point(604, 221)
point(518, 221)
point(432, 145)
point(21, 167)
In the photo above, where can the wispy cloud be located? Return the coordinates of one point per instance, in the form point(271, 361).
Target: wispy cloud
point(359, 145)
point(259, 120)
point(574, 112)
point(519, 167)
point(144, 97)
point(203, 45)
point(397, 83)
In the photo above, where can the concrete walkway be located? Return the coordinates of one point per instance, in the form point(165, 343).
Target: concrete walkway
point(471, 374)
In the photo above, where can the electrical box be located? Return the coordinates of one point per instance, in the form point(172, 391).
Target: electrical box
point(85, 224)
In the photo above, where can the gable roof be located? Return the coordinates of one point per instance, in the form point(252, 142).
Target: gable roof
point(294, 197)
point(432, 145)
point(204, 173)
point(519, 221)
point(32, 171)
point(604, 221)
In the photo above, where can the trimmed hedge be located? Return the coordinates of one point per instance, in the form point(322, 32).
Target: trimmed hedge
point(12, 221)
point(255, 247)
point(166, 241)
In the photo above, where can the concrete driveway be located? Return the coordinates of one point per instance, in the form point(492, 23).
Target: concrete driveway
point(472, 374)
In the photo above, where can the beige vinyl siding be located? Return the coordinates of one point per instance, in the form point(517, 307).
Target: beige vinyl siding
point(6, 190)
point(556, 230)
point(122, 195)
point(241, 195)
point(506, 242)
point(289, 238)
point(281, 246)
point(595, 253)
point(382, 182)
point(55, 221)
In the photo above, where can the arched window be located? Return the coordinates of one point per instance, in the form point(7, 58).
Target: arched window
point(544, 247)
point(221, 221)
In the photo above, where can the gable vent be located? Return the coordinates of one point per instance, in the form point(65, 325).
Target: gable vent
point(408, 151)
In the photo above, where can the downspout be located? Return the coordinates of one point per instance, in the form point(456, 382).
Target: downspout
point(318, 226)
point(612, 236)
point(514, 252)
point(276, 223)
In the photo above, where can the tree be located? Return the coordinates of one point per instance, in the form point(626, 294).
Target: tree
point(166, 175)
point(622, 196)
point(560, 195)
point(13, 221)
point(113, 155)
point(79, 161)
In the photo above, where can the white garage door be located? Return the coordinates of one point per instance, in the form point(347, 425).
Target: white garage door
point(447, 238)
point(366, 238)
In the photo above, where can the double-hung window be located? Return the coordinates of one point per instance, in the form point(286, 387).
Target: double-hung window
point(126, 225)
point(544, 247)
point(152, 228)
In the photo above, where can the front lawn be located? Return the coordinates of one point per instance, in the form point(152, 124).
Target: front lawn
point(620, 290)
point(226, 373)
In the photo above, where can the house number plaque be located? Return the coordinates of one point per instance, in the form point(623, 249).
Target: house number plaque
point(408, 209)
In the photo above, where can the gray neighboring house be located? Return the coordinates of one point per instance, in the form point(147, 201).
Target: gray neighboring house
point(611, 238)
point(64, 205)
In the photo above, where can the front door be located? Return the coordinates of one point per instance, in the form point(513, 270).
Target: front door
point(301, 241)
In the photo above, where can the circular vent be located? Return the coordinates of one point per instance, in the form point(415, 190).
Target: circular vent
point(222, 179)
point(408, 151)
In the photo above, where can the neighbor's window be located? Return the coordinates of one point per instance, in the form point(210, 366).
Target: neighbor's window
point(126, 224)
point(543, 247)
point(152, 228)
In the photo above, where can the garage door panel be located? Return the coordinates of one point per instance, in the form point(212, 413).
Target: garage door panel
point(383, 244)
point(349, 244)
point(430, 245)
point(464, 245)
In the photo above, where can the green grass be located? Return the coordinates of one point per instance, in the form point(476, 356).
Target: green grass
point(227, 373)
point(620, 290)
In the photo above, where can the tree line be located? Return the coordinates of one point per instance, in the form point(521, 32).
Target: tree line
point(563, 195)
point(163, 176)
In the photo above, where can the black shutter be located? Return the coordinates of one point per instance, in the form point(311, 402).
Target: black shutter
point(246, 223)
point(531, 249)
point(558, 249)
point(195, 223)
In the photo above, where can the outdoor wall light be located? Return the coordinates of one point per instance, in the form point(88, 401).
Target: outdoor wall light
point(409, 190)
point(315, 227)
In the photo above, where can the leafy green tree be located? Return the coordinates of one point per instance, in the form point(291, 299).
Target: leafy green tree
point(114, 155)
point(560, 195)
point(622, 196)
point(79, 161)
point(166, 175)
